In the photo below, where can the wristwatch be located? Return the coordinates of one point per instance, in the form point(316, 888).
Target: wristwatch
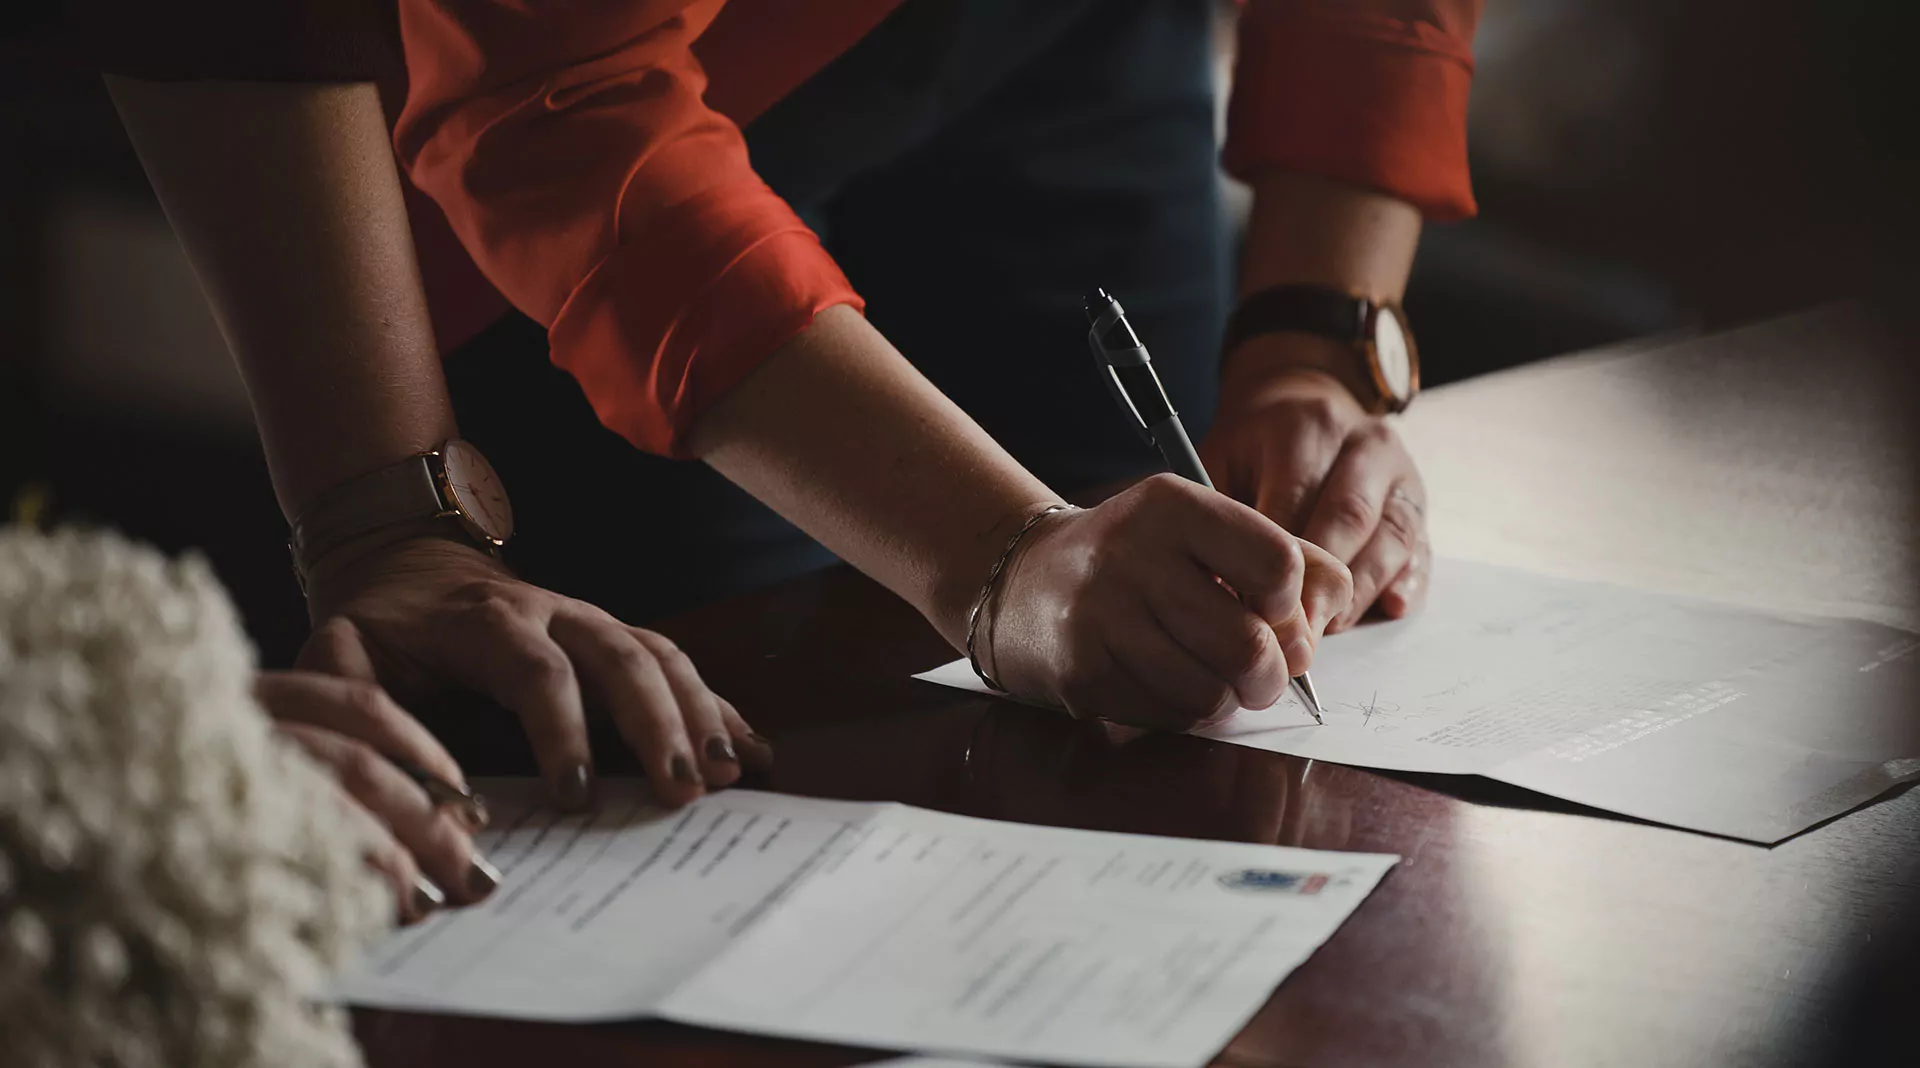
point(1385, 374)
point(452, 485)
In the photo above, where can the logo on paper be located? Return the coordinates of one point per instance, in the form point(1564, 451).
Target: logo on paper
point(1284, 882)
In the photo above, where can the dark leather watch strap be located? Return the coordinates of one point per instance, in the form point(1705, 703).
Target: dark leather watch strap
point(1316, 310)
point(398, 493)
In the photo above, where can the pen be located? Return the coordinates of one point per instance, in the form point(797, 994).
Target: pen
point(1130, 375)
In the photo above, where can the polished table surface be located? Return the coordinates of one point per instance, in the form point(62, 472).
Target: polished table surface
point(1764, 466)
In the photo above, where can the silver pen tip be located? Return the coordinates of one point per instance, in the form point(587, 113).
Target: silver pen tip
point(1303, 685)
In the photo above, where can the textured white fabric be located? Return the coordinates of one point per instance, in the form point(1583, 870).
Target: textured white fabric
point(176, 882)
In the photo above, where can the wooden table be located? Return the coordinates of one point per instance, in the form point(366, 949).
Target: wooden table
point(1758, 466)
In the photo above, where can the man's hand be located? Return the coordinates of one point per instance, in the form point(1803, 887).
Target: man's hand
point(1298, 447)
point(1115, 612)
point(427, 615)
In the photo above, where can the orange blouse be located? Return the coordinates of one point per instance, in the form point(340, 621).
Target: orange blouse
point(588, 154)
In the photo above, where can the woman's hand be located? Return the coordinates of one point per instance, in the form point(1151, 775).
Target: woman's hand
point(1116, 612)
point(427, 615)
point(357, 732)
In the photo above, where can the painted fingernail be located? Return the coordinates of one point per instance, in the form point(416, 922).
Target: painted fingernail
point(720, 750)
point(482, 877)
point(574, 791)
point(427, 896)
point(682, 769)
point(758, 752)
point(473, 813)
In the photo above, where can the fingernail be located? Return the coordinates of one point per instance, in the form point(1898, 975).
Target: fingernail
point(756, 752)
point(482, 877)
point(682, 769)
point(574, 791)
point(426, 896)
point(720, 750)
point(473, 812)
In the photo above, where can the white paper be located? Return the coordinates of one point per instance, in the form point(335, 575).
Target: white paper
point(875, 924)
point(926, 1062)
point(1710, 717)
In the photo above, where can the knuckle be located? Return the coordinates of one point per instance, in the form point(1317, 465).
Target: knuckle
point(365, 700)
point(360, 768)
point(1379, 432)
point(1280, 559)
point(1402, 525)
point(1349, 509)
point(1248, 649)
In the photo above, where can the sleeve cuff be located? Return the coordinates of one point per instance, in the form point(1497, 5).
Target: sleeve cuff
point(1353, 97)
point(662, 329)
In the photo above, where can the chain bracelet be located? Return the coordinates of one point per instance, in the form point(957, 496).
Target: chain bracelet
point(986, 591)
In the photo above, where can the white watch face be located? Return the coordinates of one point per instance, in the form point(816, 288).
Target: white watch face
point(1390, 349)
point(477, 490)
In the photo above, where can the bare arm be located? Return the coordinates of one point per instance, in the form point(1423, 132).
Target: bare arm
point(287, 199)
point(1113, 612)
point(288, 203)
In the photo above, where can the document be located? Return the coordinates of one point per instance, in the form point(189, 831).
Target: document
point(1709, 717)
point(873, 924)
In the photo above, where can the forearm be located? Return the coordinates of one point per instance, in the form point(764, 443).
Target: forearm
point(287, 201)
point(1307, 230)
point(838, 433)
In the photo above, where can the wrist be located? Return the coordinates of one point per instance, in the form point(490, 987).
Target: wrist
point(403, 549)
point(1257, 367)
point(965, 571)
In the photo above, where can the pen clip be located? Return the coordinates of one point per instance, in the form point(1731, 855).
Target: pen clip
point(1107, 360)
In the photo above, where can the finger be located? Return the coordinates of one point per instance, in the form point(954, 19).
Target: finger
point(500, 647)
point(437, 843)
point(1348, 508)
point(1182, 691)
point(359, 710)
point(336, 647)
point(1384, 557)
point(1326, 591)
point(1246, 549)
point(706, 728)
point(1210, 624)
point(413, 895)
point(1093, 683)
point(756, 752)
point(628, 683)
point(1407, 593)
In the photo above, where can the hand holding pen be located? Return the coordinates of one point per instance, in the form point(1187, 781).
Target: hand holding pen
point(1130, 374)
point(1118, 611)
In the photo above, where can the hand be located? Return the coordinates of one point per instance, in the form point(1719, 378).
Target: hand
point(427, 615)
point(1115, 612)
point(354, 729)
point(1296, 445)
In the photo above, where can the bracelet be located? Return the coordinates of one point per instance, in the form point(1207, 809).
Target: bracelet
point(986, 591)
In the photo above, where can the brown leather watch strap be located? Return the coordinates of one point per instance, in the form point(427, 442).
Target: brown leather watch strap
point(404, 492)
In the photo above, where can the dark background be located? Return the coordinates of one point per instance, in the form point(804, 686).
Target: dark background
point(1643, 167)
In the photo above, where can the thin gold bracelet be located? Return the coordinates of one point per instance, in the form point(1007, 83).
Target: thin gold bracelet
point(986, 591)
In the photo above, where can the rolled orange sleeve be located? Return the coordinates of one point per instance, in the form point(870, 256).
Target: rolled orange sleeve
point(1372, 92)
point(568, 145)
